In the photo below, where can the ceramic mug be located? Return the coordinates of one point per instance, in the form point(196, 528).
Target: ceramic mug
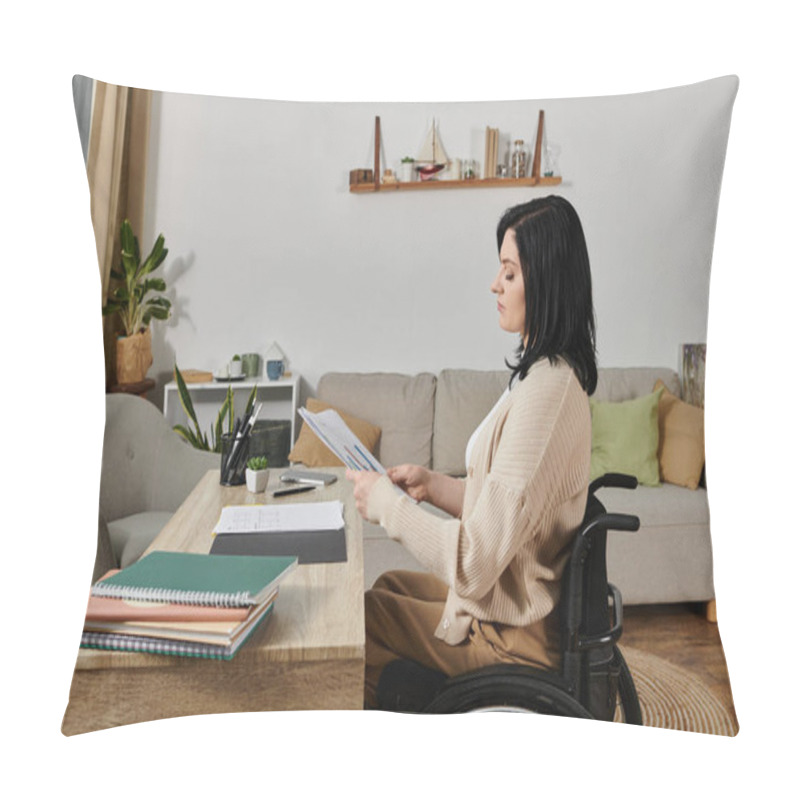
point(274, 369)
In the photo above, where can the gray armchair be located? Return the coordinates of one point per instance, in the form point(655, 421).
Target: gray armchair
point(147, 472)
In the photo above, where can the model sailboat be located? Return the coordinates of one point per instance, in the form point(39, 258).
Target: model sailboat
point(432, 157)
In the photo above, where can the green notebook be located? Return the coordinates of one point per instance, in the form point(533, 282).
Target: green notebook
point(198, 579)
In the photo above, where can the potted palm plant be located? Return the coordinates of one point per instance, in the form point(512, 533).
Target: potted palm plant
point(136, 306)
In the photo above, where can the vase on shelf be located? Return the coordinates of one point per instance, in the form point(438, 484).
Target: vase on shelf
point(518, 160)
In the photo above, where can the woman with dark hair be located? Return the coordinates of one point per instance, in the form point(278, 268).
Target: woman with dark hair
point(496, 560)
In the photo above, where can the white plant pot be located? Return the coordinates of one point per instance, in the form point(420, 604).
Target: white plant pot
point(257, 480)
point(407, 172)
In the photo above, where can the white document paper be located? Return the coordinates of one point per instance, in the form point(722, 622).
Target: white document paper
point(281, 518)
point(340, 440)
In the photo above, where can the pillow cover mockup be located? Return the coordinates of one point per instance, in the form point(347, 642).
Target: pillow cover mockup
point(277, 230)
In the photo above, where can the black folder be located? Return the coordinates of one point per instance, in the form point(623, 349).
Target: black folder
point(310, 547)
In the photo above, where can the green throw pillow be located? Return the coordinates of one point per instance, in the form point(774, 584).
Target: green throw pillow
point(625, 438)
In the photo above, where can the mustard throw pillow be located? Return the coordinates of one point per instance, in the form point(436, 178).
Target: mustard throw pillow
point(311, 452)
point(681, 447)
point(625, 438)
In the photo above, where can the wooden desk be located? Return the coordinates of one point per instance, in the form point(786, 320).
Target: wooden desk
point(308, 655)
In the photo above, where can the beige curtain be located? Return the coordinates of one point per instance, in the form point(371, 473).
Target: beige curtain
point(116, 167)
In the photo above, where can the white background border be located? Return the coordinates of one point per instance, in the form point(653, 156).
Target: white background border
point(53, 404)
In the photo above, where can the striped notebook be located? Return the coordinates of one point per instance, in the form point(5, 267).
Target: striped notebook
point(171, 647)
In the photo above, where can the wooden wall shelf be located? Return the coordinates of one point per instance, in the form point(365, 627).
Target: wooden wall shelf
point(536, 179)
point(476, 183)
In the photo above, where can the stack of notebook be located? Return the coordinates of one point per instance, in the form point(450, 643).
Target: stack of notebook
point(185, 604)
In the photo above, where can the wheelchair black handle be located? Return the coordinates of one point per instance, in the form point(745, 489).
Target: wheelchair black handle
point(612, 522)
point(616, 479)
point(621, 522)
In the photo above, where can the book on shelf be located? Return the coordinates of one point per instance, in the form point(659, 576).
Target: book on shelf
point(490, 152)
point(197, 579)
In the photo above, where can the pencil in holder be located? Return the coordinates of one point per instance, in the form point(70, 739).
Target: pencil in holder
point(233, 462)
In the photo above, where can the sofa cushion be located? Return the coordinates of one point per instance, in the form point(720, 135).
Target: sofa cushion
point(615, 384)
point(400, 405)
point(463, 398)
point(661, 506)
point(681, 446)
point(668, 560)
point(625, 438)
point(312, 452)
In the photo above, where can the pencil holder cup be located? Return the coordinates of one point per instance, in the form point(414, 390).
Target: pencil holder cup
point(233, 463)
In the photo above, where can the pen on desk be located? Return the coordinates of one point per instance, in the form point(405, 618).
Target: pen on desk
point(227, 459)
point(227, 463)
point(252, 421)
point(293, 490)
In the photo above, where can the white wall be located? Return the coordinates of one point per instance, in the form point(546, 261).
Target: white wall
point(267, 243)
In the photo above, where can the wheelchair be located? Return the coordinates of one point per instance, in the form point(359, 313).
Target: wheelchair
point(594, 682)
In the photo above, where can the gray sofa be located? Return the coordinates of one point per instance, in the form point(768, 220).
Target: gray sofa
point(427, 419)
point(147, 472)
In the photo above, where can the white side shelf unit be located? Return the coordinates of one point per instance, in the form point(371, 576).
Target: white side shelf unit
point(279, 398)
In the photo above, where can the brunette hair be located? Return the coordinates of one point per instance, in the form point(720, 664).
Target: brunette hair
point(559, 314)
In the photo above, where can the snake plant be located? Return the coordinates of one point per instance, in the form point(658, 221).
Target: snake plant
point(197, 438)
point(128, 299)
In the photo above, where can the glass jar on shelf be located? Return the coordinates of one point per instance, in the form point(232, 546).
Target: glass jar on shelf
point(518, 165)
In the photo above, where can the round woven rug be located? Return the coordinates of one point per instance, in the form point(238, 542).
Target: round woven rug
point(673, 698)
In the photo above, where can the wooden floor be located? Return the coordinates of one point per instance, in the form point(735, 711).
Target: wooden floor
point(681, 635)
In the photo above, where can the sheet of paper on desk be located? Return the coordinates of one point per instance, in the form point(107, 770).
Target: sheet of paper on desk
point(281, 518)
point(340, 440)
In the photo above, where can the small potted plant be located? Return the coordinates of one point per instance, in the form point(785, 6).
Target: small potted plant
point(256, 475)
point(235, 367)
point(407, 169)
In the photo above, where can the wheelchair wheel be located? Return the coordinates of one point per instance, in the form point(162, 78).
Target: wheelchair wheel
point(628, 699)
point(517, 693)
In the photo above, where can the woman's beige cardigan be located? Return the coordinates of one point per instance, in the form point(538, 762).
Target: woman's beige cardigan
point(524, 498)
